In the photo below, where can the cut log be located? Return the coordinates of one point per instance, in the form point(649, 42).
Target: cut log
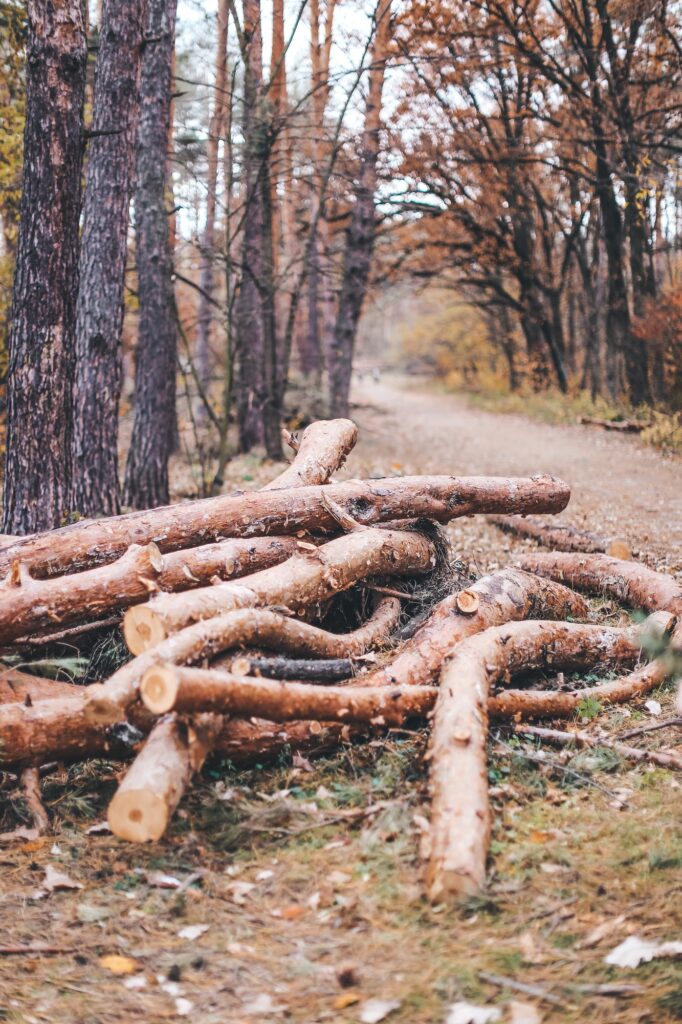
point(456, 845)
point(562, 538)
point(174, 527)
point(629, 582)
point(62, 729)
point(503, 596)
point(36, 605)
point(171, 688)
point(322, 449)
point(579, 738)
point(302, 581)
point(153, 786)
point(21, 688)
point(622, 426)
point(108, 702)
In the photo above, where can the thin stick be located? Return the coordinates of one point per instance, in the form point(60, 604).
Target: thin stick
point(30, 783)
point(665, 724)
point(583, 739)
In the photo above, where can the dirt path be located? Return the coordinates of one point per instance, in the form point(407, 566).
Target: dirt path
point(619, 486)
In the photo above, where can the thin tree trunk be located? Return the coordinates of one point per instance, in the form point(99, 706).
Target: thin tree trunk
point(360, 239)
point(146, 480)
point(204, 356)
point(42, 341)
point(99, 314)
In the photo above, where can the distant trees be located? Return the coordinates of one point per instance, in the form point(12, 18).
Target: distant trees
point(42, 339)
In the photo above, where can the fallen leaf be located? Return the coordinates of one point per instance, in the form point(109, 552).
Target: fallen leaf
point(374, 1010)
point(467, 1013)
point(338, 878)
point(21, 833)
point(55, 880)
point(523, 1013)
point(239, 891)
point(602, 930)
point(635, 951)
point(183, 1007)
point(346, 999)
point(531, 949)
point(653, 707)
point(193, 931)
point(138, 981)
point(89, 914)
point(159, 880)
point(299, 761)
point(100, 828)
point(288, 913)
point(117, 964)
point(552, 869)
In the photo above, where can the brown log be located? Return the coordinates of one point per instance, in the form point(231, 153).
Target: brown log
point(315, 670)
point(62, 729)
point(30, 606)
point(21, 688)
point(171, 688)
point(456, 845)
point(623, 426)
point(30, 783)
point(503, 596)
point(303, 580)
point(175, 527)
point(580, 738)
point(562, 538)
point(321, 450)
point(153, 786)
point(108, 702)
point(630, 582)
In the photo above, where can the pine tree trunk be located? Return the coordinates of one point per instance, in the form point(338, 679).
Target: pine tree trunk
point(146, 481)
point(42, 340)
point(360, 239)
point(99, 314)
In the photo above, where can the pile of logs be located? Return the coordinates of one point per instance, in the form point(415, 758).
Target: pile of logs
point(226, 605)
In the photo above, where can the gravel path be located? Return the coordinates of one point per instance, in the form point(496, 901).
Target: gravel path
point(619, 486)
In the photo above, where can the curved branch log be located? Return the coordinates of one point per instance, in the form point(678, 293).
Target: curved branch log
point(35, 605)
point(107, 702)
point(62, 729)
point(562, 538)
point(630, 582)
point(322, 449)
point(456, 845)
point(303, 580)
point(580, 738)
point(503, 596)
point(155, 782)
point(259, 513)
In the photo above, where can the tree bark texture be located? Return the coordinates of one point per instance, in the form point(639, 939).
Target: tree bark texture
point(146, 476)
point(630, 582)
point(104, 247)
point(30, 606)
point(442, 498)
point(42, 338)
point(360, 239)
point(305, 579)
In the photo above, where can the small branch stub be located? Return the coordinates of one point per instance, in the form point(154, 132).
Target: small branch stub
point(467, 602)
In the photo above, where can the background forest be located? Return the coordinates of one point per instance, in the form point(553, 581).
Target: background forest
point(197, 205)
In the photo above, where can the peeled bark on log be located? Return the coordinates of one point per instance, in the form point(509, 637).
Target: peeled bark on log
point(562, 538)
point(30, 606)
point(503, 596)
point(456, 845)
point(146, 799)
point(64, 730)
point(585, 739)
point(108, 702)
point(303, 580)
point(630, 582)
point(322, 449)
point(174, 527)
